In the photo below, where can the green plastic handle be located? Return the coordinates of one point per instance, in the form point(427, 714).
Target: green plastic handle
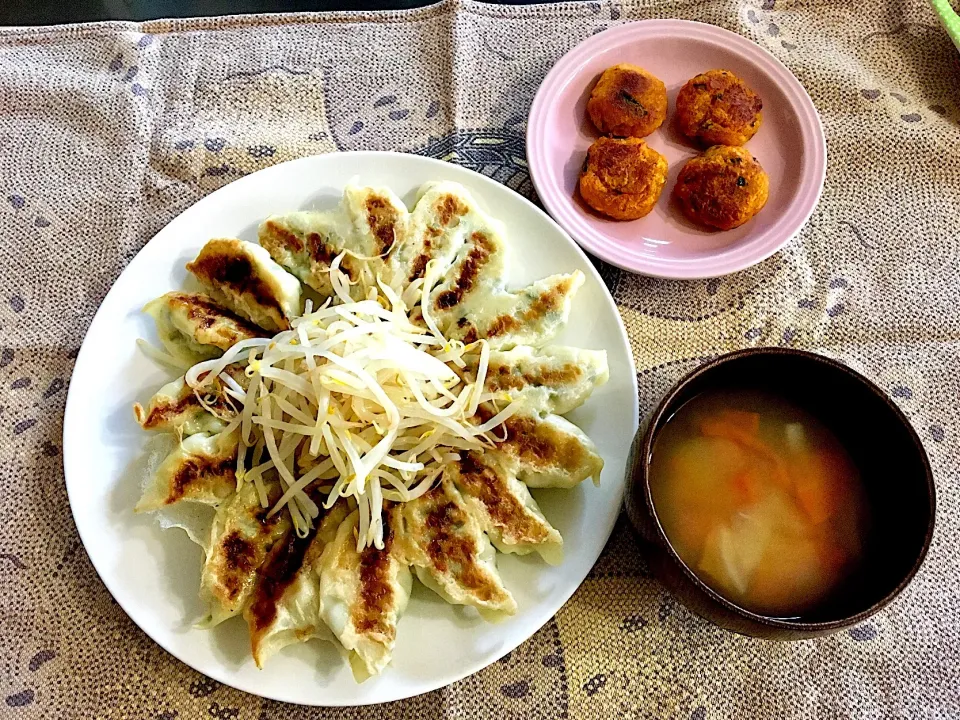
point(949, 18)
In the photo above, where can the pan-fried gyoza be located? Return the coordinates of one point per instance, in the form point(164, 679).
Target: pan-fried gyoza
point(384, 422)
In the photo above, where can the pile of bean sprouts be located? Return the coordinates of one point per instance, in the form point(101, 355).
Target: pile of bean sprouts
point(363, 399)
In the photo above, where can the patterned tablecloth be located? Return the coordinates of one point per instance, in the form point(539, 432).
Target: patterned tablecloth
point(108, 131)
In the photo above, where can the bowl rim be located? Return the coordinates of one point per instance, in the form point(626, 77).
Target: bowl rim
point(646, 448)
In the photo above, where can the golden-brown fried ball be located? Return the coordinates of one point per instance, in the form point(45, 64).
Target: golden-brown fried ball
point(718, 108)
point(622, 178)
point(627, 101)
point(723, 188)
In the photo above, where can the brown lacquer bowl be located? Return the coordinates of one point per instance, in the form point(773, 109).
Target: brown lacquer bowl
point(893, 464)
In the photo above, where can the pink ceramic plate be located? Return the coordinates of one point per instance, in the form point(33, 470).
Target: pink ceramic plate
point(790, 146)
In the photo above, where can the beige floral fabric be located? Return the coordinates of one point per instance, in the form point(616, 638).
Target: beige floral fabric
point(108, 131)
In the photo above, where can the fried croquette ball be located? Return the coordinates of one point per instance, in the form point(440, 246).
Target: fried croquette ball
point(627, 101)
point(723, 188)
point(718, 108)
point(622, 178)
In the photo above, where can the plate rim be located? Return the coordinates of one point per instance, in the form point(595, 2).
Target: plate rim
point(798, 212)
point(71, 411)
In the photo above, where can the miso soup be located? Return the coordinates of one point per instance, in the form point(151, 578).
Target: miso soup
point(760, 500)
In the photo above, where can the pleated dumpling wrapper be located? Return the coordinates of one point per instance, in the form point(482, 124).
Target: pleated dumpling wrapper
point(368, 224)
point(201, 468)
point(553, 379)
point(503, 506)
point(243, 277)
point(452, 555)
point(285, 605)
point(362, 595)
point(532, 316)
point(192, 327)
point(241, 538)
point(550, 451)
point(175, 407)
point(436, 231)
point(305, 244)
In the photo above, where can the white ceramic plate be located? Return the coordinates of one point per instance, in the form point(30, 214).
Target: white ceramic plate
point(154, 573)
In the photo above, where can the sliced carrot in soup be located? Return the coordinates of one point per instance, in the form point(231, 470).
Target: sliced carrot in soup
point(749, 422)
point(740, 433)
point(748, 486)
point(816, 485)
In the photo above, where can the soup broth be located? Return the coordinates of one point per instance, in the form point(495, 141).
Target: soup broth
point(760, 500)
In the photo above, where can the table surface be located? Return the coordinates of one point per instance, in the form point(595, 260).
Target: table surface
point(108, 132)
